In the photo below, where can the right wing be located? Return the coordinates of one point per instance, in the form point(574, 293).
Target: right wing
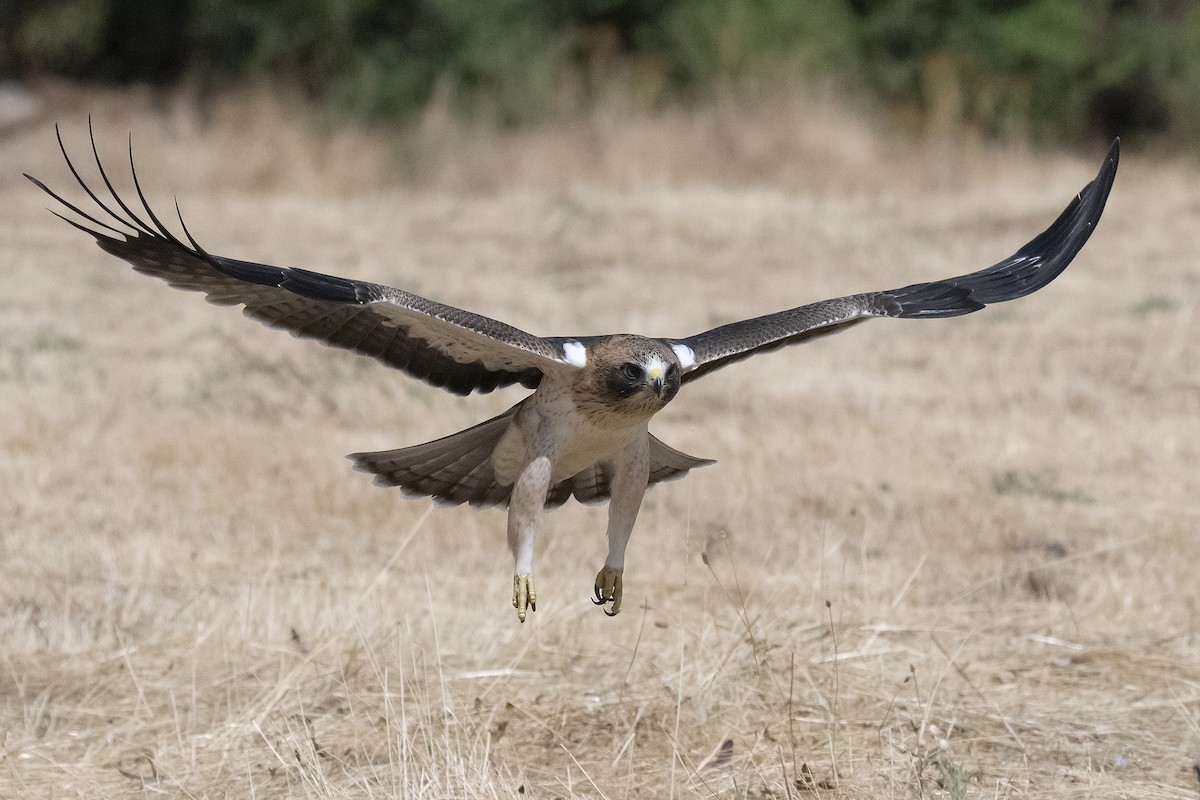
point(439, 344)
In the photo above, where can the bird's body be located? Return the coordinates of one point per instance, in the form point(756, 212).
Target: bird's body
point(583, 432)
point(550, 422)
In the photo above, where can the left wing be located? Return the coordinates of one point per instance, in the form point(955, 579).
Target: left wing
point(1029, 269)
point(439, 344)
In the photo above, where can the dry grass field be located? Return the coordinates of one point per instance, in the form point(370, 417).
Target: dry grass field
point(936, 559)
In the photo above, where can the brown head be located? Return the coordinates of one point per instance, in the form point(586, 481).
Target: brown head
point(627, 376)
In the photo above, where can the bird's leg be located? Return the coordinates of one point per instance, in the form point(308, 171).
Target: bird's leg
point(631, 473)
point(524, 513)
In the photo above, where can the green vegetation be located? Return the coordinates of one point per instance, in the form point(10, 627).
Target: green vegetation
point(1154, 304)
point(1013, 482)
point(1058, 70)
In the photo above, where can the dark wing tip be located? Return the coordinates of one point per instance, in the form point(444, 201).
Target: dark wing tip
point(122, 215)
point(1035, 265)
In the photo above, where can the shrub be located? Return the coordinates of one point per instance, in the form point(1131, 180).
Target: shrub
point(1056, 70)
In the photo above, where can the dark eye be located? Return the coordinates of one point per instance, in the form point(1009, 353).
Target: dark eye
point(672, 371)
point(631, 371)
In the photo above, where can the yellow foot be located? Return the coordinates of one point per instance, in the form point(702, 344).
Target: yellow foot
point(524, 596)
point(608, 589)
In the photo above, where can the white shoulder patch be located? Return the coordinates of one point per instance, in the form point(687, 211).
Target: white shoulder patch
point(685, 354)
point(575, 353)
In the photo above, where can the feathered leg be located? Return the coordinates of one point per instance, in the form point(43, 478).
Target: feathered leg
point(527, 503)
point(631, 473)
point(524, 513)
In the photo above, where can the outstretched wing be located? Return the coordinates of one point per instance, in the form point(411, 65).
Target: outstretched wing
point(442, 345)
point(1029, 269)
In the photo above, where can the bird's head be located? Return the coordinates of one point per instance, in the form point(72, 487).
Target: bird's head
point(653, 377)
point(630, 375)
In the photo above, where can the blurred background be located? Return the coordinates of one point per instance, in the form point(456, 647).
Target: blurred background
point(1048, 72)
point(982, 527)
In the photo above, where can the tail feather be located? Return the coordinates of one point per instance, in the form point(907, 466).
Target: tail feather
point(458, 469)
point(589, 486)
point(592, 485)
point(668, 464)
point(453, 470)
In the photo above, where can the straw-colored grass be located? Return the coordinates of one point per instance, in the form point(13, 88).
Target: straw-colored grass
point(945, 559)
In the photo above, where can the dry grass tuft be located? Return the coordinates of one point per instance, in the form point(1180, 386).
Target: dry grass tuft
point(936, 560)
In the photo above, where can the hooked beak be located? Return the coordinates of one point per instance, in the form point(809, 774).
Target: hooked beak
point(657, 380)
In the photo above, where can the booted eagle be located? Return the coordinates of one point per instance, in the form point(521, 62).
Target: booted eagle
point(582, 432)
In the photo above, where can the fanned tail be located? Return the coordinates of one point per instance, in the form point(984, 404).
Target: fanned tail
point(458, 469)
point(453, 470)
point(592, 485)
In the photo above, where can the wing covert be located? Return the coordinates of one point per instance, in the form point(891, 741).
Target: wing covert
point(442, 345)
point(1037, 263)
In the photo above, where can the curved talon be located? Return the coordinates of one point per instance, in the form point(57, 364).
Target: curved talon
point(524, 597)
point(609, 588)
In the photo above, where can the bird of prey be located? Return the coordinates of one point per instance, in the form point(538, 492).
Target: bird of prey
point(582, 432)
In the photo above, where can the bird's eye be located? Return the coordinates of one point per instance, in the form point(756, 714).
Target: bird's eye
point(631, 371)
point(672, 371)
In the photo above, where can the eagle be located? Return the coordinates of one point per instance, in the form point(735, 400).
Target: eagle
point(582, 432)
